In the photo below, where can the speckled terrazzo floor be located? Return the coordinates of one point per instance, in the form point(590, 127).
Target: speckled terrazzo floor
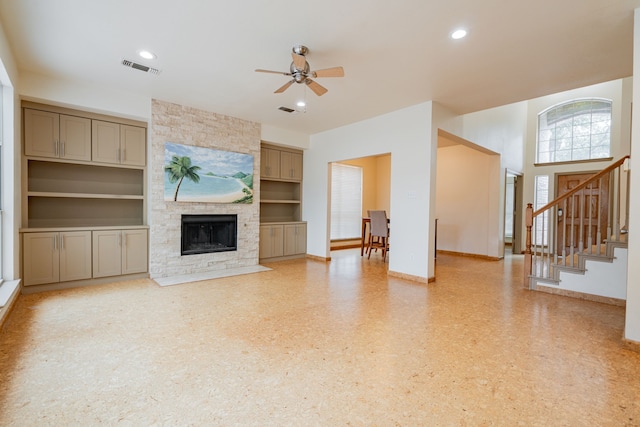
point(309, 343)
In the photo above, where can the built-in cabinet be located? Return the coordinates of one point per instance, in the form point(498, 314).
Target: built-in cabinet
point(282, 232)
point(53, 257)
point(269, 163)
point(271, 241)
point(295, 238)
point(117, 252)
point(276, 163)
point(117, 144)
point(83, 175)
point(57, 136)
point(291, 165)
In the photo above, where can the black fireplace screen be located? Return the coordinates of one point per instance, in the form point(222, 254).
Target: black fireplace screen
point(209, 233)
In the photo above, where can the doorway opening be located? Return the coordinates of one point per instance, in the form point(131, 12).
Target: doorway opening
point(374, 193)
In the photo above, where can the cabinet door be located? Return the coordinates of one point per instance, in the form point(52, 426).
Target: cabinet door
point(41, 258)
point(269, 163)
point(134, 251)
point(133, 142)
point(291, 166)
point(105, 142)
point(295, 239)
point(41, 133)
point(271, 241)
point(107, 253)
point(75, 255)
point(75, 138)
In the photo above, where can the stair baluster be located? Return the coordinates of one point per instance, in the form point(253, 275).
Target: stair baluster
point(542, 254)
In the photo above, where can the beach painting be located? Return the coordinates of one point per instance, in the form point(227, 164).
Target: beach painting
point(198, 174)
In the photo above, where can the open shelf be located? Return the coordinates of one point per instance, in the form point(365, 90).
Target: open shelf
point(279, 191)
point(81, 212)
point(280, 212)
point(83, 195)
point(85, 180)
point(280, 201)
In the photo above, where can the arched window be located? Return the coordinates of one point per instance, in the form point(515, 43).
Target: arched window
point(575, 130)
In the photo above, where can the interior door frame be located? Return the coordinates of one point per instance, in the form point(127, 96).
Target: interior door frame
point(518, 209)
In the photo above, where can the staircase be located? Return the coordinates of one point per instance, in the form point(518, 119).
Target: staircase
point(572, 250)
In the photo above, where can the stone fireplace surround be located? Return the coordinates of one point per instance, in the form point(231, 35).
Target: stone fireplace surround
point(191, 126)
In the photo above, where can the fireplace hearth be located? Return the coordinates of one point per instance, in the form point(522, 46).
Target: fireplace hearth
point(209, 233)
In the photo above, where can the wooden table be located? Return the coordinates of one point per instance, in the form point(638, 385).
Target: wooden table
point(365, 221)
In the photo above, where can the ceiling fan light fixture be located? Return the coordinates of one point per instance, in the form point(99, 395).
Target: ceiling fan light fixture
point(459, 34)
point(300, 71)
point(146, 54)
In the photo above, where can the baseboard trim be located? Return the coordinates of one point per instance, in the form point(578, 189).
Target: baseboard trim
point(487, 257)
point(318, 258)
point(410, 277)
point(631, 345)
point(281, 258)
point(580, 295)
point(349, 246)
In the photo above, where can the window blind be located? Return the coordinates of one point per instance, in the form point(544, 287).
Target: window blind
point(346, 201)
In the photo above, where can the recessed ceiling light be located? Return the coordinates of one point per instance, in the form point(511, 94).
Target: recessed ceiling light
point(146, 54)
point(301, 104)
point(458, 34)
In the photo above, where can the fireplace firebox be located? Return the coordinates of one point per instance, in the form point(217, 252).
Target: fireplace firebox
point(209, 233)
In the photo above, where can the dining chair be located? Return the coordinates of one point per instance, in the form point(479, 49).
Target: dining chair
point(369, 233)
point(379, 235)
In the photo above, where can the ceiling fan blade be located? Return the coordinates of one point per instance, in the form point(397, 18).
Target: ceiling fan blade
point(285, 86)
point(273, 72)
point(298, 61)
point(329, 72)
point(316, 88)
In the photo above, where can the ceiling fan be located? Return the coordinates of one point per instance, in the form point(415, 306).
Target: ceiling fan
point(301, 72)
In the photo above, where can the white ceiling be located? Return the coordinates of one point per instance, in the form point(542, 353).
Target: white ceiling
point(395, 53)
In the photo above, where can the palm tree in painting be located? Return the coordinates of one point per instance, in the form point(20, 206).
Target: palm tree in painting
point(180, 168)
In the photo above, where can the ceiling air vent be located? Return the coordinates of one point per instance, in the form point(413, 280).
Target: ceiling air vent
point(286, 109)
point(140, 67)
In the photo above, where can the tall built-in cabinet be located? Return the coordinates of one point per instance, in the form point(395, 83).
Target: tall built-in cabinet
point(283, 234)
point(83, 177)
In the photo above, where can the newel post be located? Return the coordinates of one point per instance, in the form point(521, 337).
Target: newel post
point(528, 218)
point(527, 252)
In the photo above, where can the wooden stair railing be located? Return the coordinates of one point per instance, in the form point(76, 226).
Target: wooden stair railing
point(542, 225)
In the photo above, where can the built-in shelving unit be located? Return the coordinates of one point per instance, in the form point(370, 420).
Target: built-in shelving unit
point(282, 231)
point(80, 195)
point(83, 173)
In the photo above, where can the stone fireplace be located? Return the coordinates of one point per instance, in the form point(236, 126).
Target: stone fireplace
point(190, 126)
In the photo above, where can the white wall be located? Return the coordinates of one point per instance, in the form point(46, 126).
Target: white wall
point(500, 130)
point(466, 210)
point(632, 325)
point(407, 135)
point(279, 136)
point(88, 97)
